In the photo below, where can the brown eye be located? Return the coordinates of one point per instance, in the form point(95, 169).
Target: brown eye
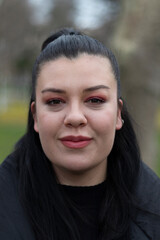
point(96, 100)
point(55, 101)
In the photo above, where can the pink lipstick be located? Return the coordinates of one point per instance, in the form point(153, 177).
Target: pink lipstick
point(75, 141)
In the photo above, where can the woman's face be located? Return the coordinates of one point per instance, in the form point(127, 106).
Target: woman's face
point(76, 114)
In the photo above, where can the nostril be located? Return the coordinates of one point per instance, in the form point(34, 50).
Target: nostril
point(75, 120)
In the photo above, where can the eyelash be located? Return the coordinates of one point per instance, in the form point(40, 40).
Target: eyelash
point(55, 101)
point(92, 100)
point(96, 100)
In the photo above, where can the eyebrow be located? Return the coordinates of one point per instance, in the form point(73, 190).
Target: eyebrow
point(90, 89)
point(55, 90)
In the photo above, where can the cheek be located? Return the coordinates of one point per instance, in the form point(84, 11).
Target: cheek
point(48, 123)
point(104, 121)
point(104, 128)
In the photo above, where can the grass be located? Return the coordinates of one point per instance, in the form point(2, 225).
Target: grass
point(158, 159)
point(9, 135)
point(12, 127)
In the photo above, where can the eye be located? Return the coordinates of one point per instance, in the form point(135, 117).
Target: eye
point(96, 100)
point(55, 101)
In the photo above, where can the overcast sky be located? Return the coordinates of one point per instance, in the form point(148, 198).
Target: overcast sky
point(89, 13)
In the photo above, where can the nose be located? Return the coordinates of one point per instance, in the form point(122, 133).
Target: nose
point(75, 117)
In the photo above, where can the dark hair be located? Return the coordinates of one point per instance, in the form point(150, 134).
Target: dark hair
point(38, 188)
point(70, 43)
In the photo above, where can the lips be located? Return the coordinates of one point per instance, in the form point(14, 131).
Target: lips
point(75, 141)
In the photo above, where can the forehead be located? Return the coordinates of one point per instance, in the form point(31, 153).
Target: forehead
point(84, 69)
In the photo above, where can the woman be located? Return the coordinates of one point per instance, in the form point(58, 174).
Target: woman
point(77, 173)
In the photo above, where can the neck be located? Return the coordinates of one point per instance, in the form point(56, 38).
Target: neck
point(81, 178)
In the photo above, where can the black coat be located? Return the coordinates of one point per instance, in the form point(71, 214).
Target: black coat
point(14, 224)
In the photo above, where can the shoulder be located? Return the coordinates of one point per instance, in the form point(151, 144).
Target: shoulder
point(13, 222)
point(8, 178)
point(147, 209)
point(148, 190)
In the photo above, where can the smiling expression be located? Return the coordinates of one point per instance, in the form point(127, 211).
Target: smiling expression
point(76, 114)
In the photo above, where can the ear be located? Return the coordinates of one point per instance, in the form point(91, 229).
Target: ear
point(33, 110)
point(119, 123)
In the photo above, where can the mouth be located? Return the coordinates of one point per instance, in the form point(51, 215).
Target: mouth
point(75, 141)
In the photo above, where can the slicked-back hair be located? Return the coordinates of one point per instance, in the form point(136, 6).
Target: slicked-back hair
point(69, 43)
point(38, 183)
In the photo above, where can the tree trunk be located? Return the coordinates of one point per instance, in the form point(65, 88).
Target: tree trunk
point(136, 42)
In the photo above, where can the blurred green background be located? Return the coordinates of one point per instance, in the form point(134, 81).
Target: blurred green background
point(129, 28)
point(12, 127)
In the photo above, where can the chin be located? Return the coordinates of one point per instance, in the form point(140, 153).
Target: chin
point(75, 167)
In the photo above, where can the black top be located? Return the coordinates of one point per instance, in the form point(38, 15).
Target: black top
point(14, 224)
point(87, 200)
